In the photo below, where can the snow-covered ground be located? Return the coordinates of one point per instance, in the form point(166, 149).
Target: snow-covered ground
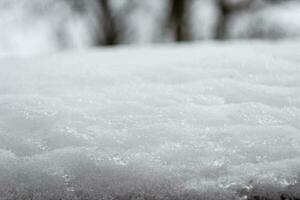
point(198, 121)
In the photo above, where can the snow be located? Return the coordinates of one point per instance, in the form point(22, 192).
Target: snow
point(208, 121)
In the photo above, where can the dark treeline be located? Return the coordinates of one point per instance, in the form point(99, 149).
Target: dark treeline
point(177, 18)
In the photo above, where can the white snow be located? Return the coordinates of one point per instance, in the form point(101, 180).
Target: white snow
point(208, 121)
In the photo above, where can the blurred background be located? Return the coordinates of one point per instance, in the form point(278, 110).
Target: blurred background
point(30, 27)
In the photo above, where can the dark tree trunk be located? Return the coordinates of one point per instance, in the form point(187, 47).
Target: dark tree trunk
point(223, 19)
point(178, 20)
point(226, 10)
point(108, 25)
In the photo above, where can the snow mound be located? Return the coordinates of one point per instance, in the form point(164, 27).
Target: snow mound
point(209, 121)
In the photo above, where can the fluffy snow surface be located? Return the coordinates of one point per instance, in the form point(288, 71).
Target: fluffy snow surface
point(201, 121)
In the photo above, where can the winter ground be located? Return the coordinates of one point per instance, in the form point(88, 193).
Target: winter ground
point(201, 121)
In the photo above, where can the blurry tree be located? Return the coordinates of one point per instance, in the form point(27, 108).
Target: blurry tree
point(112, 20)
point(112, 24)
point(178, 19)
point(79, 6)
point(226, 8)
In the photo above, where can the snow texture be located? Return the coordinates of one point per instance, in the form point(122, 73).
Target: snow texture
point(198, 121)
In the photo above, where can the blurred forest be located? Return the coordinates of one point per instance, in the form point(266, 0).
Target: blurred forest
point(34, 26)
